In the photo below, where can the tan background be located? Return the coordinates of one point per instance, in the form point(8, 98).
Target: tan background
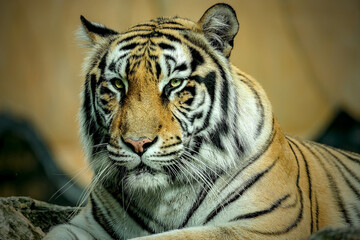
point(306, 54)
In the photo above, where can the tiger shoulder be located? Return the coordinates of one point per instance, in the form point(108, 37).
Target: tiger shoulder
point(184, 145)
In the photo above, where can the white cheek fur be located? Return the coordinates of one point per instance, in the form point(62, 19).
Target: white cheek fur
point(165, 64)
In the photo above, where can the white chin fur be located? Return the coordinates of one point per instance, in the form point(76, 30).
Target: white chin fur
point(146, 181)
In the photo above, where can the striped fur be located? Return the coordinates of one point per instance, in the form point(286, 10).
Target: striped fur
point(216, 163)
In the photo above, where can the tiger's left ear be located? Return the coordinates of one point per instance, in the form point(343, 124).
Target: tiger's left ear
point(220, 25)
point(94, 32)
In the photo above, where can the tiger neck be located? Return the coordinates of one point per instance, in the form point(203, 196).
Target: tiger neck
point(156, 208)
point(240, 127)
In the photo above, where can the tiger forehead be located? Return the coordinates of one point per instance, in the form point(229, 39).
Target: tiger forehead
point(155, 32)
point(141, 47)
point(163, 23)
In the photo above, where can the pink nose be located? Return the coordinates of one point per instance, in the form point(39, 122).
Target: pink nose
point(138, 144)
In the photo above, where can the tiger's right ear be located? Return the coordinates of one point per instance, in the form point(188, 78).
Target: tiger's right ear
point(94, 32)
point(220, 25)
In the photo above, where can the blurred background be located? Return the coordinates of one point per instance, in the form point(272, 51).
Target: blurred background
point(306, 54)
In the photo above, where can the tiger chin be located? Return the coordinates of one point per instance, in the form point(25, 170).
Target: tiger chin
point(184, 145)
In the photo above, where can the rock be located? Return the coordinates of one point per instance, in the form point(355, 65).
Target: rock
point(330, 233)
point(26, 218)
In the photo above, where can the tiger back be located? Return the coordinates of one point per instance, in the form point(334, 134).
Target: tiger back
point(185, 146)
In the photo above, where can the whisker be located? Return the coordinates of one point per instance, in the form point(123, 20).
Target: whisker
point(99, 145)
point(70, 183)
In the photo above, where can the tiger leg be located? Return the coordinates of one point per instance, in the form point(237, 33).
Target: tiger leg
point(68, 232)
point(82, 226)
point(229, 231)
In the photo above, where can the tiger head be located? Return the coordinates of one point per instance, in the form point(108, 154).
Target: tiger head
point(156, 103)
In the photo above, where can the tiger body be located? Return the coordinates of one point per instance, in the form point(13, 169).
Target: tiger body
point(185, 146)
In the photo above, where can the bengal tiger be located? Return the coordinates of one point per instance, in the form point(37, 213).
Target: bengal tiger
point(184, 145)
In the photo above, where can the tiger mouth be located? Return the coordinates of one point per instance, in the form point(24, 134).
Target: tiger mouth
point(137, 171)
point(143, 169)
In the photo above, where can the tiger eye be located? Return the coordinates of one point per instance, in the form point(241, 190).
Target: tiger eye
point(119, 84)
point(175, 82)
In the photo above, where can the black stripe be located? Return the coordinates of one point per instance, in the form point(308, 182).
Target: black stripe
point(309, 183)
point(186, 109)
point(118, 60)
point(350, 155)
point(171, 58)
point(91, 125)
point(224, 93)
point(104, 102)
point(171, 145)
point(133, 211)
point(172, 22)
point(175, 28)
point(182, 112)
point(332, 183)
point(198, 140)
point(139, 56)
point(256, 214)
point(105, 90)
point(221, 129)
point(166, 46)
point(266, 146)
point(158, 70)
point(300, 215)
point(225, 87)
point(239, 147)
point(353, 174)
point(199, 200)
point(349, 183)
point(260, 106)
point(167, 154)
point(317, 213)
point(72, 234)
point(144, 25)
point(101, 219)
point(182, 124)
point(127, 67)
point(238, 193)
point(181, 67)
point(112, 67)
point(192, 91)
point(336, 162)
point(197, 59)
point(99, 30)
point(169, 37)
point(130, 46)
point(129, 38)
point(112, 154)
point(149, 66)
point(209, 81)
point(138, 30)
point(210, 85)
point(86, 106)
point(102, 63)
point(93, 85)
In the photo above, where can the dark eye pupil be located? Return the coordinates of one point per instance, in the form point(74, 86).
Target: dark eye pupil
point(175, 82)
point(118, 83)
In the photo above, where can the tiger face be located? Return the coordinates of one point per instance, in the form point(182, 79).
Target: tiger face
point(149, 101)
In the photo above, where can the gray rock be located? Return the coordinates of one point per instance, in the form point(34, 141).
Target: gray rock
point(329, 233)
point(26, 218)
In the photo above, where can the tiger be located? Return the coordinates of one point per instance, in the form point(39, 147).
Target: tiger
point(184, 145)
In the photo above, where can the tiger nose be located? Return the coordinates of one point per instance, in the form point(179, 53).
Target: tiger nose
point(139, 145)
